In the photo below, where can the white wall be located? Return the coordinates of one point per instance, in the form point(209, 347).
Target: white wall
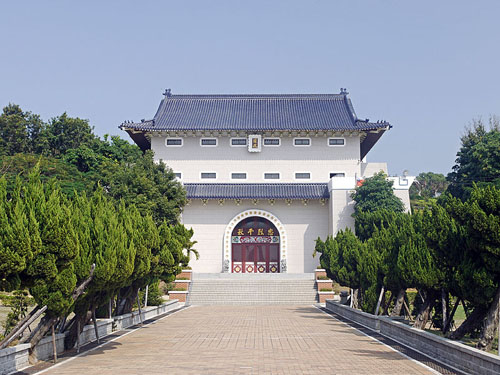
point(319, 159)
point(303, 224)
point(369, 169)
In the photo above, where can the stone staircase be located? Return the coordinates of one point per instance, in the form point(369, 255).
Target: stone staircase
point(252, 289)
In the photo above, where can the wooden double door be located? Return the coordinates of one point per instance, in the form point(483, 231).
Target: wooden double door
point(255, 258)
point(255, 243)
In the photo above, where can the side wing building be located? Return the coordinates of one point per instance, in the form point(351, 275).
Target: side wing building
point(265, 174)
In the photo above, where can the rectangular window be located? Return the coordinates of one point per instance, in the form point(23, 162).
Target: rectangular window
point(238, 141)
point(302, 141)
point(173, 142)
point(271, 141)
point(337, 174)
point(302, 175)
point(271, 176)
point(209, 142)
point(239, 176)
point(178, 175)
point(211, 175)
point(336, 141)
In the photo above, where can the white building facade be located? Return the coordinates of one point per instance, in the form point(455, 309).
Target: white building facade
point(265, 175)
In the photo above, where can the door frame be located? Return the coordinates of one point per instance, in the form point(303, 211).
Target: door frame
point(227, 252)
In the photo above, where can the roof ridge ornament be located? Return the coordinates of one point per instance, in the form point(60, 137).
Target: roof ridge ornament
point(343, 91)
point(167, 93)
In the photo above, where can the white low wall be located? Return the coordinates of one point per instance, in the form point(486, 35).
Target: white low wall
point(449, 352)
point(358, 316)
point(16, 357)
point(44, 349)
point(104, 328)
point(452, 353)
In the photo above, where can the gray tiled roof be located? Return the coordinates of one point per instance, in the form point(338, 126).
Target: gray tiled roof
point(257, 191)
point(255, 113)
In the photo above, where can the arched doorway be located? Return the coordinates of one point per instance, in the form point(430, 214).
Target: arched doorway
point(255, 246)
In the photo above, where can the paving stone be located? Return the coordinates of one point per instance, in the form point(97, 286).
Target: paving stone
point(243, 340)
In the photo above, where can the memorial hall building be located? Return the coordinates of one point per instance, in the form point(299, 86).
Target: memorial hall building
point(265, 175)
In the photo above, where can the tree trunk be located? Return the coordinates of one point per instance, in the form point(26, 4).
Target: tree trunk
point(396, 311)
point(355, 299)
point(80, 320)
point(473, 322)
point(444, 308)
point(54, 346)
point(47, 322)
point(450, 318)
point(127, 300)
point(490, 325)
point(381, 295)
point(388, 304)
point(425, 310)
point(22, 325)
point(94, 320)
point(41, 330)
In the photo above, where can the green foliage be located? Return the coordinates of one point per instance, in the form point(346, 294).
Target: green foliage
point(154, 294)
point(478, 160)
point(19, 304)
point(477, 257)
point(86, 201)
point(68, 177)
point(150, 186)
point(65, 133)
point(375, 194)
point(428, 185)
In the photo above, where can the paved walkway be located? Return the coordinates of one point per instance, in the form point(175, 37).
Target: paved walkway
point(243, 340)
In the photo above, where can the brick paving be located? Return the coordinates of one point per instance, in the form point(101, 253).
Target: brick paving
point(243, 340)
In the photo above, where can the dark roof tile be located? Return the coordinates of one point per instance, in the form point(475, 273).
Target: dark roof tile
point(255, 113)
point(257, 191)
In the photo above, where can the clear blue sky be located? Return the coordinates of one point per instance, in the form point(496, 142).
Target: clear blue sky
point(428, 67)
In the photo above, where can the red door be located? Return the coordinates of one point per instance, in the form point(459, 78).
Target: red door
point(255, 246)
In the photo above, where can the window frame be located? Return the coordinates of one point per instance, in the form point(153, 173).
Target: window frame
point(301, 179)
point(330, 174)
point(231, 142)
point(274, 179)
point(264, 142)
point(178, 177)
point(215, 145)
point(329, 145)
point(208, 178)
point(295, 145)
point(232, 178)
point(174, 138)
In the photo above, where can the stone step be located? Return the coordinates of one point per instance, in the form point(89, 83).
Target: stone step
point(252, 289)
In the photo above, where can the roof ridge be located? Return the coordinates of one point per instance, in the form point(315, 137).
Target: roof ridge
point(253, 96)
point(255, 183)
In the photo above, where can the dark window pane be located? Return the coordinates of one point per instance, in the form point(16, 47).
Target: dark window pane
point(208, 175)
point(261, 255)
point(336, 142)
point(274, 253)
point(250, 255)
point(271, 176)
point(237, 253)
point(178, 175)
point(271, 141)
point(209, 142)
point(174, 142)
point(238, 176)
point(239, 141)
point(302, 142)
point(337, 175)
point(303, 175)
